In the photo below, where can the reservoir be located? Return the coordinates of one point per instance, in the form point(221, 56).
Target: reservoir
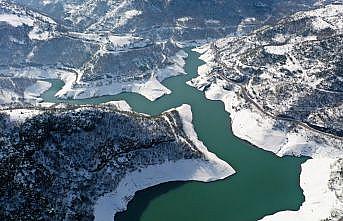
point(264, 183)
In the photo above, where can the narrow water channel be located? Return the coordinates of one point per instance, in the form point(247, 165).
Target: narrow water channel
point(263, 184)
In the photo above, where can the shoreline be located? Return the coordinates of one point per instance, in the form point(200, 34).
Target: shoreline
point(207, 168)
point(320, 201)
point(250, 125)
point(151, 89)
point(210, 169)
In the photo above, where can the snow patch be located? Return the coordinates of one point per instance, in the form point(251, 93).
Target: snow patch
point(20, 115)
point(120, 105)
point(15, 20)
point(120, 41)
point(152, 89)
point(38, 34)
point(279, 50)
point(34, 91)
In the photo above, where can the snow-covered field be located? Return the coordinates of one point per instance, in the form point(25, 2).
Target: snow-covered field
point(181, 170)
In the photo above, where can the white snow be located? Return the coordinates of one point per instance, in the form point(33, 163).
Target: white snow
point(244, 124)
point(121, 40)
point(184, 19)
point(173, 70)
point(31, 93)
point(180, 170)
point(120, 105)
point(319, 199)
point(319, 24)
point(34, 91)
point(15, 20)
point(279, 38)
point(8, 96)
point(128, 15)
point(20, 115)
point(152, 89)
point(18, 20)
point(132, 13)
point(279, 50)
point(212, 22)
point(46, 2)
point(38, 34)
point(330, 16)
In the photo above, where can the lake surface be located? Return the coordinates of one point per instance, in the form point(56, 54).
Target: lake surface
point(263, 184)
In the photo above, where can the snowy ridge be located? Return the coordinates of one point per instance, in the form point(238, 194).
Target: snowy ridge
point(20, 115)
point(181, 170)
point(15, 20)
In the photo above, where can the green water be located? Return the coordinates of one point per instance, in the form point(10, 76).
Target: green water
point(263, 184)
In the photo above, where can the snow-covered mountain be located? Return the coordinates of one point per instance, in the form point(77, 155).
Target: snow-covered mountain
point(106, 47)
point(280, 79)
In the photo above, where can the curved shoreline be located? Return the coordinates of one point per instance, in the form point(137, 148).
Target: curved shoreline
point(151, 89)
point(180, 170)
point(251, 162)
point(319, 199)
point(251, 125)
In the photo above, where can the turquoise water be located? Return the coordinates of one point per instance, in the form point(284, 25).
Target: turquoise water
point(263, 184)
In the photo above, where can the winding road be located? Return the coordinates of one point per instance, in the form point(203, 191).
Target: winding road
point(248, 98)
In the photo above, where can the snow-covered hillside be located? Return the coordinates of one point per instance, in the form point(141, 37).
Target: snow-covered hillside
point(66, 162)
point(113, 46)
point(282, 85)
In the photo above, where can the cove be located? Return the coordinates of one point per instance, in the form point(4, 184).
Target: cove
point(263, 184)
